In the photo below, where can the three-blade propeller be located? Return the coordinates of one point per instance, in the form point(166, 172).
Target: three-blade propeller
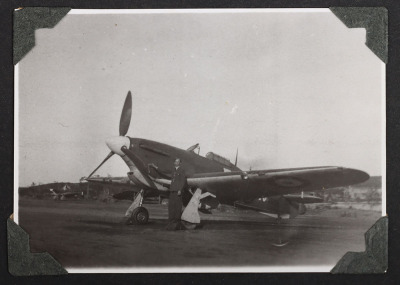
point(120, 145)
point(123, 127)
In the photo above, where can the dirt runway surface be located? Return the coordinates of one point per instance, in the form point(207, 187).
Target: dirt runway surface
point(90, 234)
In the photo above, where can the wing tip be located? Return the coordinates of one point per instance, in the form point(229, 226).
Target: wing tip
point(357, 176)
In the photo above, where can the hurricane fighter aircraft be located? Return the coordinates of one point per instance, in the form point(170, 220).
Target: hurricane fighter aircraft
point(214, 180)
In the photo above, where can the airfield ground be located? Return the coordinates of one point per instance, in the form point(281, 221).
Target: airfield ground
point(89, 234)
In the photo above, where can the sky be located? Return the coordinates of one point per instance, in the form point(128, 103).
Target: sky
point(286, 89)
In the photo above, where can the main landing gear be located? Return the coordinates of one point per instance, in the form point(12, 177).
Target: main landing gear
point(136, 214)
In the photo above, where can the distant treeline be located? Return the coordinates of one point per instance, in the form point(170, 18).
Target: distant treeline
point(368, 191)
point(373, 181)
point(89, 190)
point(43, 190)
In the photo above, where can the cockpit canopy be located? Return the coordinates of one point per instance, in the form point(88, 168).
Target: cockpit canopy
point(222, 160)
point(213, 156)
point(228, 166)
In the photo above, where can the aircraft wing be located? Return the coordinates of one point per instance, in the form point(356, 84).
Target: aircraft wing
point(120, 187)
point(303, 198)
point(111, 180)
point(123, 187)
point(264, 183)
point(71, 194)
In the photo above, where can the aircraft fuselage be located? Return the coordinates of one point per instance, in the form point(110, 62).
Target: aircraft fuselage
point(164, 155)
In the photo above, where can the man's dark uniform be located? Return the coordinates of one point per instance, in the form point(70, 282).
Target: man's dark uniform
point(178, 185)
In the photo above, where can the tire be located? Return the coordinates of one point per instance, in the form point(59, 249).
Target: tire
point(140, 216)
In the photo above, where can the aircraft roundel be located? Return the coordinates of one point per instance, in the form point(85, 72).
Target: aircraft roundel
point(287, 181)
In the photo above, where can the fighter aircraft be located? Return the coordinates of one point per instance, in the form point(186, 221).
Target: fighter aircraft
point(212, 179)
point(66, 193)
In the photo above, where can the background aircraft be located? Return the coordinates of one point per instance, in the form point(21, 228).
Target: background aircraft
point(66, 193)
point(122, 188)
point(280, 193)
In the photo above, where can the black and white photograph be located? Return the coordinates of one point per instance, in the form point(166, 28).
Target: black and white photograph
point(199, 140)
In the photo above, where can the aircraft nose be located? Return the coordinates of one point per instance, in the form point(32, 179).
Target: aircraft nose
point(115, 144)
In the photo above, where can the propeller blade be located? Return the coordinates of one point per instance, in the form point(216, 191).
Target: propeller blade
point(107, 157)
point(139, 165)
point(237, 151)
point(126, 115)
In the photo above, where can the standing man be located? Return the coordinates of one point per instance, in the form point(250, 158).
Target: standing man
point(178, 185)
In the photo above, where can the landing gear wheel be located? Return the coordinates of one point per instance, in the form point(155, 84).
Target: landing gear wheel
point(140, 216)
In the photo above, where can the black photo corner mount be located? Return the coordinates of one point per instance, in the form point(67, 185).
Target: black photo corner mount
point(374, 20)
point(26, 21)
point(375, 257)
point(21, 262)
